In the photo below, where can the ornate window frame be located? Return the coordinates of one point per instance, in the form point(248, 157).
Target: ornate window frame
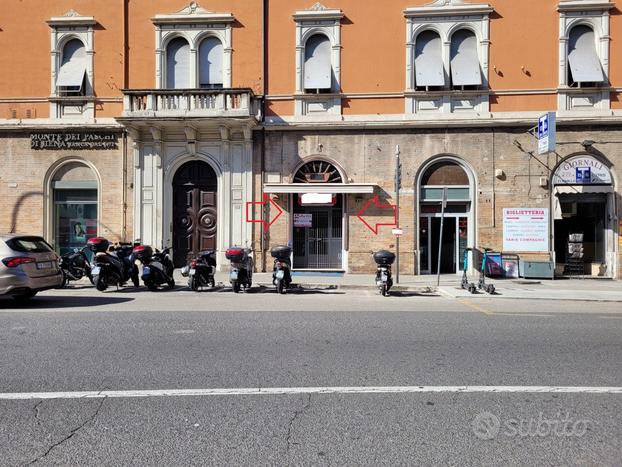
point(446, 17)
point(64, 28)
point(194, 24)
point(326, 21)
point(594, 14)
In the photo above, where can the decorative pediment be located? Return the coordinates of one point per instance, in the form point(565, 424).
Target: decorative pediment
point(318, 12)
point(193, 13)
point(71, 18)
point(449, 7)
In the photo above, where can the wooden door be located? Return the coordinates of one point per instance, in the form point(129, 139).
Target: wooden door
point(194, 211)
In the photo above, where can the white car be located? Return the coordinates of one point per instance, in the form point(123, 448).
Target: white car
point(28, 265)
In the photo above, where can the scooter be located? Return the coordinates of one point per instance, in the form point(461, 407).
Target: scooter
point(281, 272)
point(470, 286)
point(157, 268)
point(201, 270)
point(112, 265)
point(74, 266)
point(241, 274)
point(384, 259)
point(481, 284)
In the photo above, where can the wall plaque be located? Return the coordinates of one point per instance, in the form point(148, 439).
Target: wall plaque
point(74, 141)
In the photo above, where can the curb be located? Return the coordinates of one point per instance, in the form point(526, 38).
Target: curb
point(448, 294)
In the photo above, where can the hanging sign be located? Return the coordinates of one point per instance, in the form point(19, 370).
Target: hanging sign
point(526, 230)
point(582, 170)
point(303, 219)
point(546, 133)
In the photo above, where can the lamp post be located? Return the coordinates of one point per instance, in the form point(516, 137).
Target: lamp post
point(398, 184)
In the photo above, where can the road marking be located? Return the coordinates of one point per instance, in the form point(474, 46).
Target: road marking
point(503, 313)
point(476, 307)
point(610, 317)
point(138, 393)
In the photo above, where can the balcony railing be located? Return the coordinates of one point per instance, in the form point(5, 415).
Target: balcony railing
point(163, 103)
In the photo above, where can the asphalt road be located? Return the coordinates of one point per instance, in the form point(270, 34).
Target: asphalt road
point(80, 340)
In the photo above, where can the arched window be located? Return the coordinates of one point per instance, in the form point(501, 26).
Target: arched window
point(464, 60)
point(318, 70)
point(74, 195)
point(210, 63)
point(178, 64)
point(584, 64)
point(429, 60)
point(72, 73)
point(318, 171)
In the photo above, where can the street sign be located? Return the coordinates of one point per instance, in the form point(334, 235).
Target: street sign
point(397, 232)
point(546, 133)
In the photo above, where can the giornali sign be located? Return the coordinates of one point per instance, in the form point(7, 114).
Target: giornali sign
point(582, 170)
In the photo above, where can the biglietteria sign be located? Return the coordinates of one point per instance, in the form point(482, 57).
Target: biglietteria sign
point(582, 170)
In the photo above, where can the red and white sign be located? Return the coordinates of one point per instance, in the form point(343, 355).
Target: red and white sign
point(397, 232)
point(317, 199)
point(526, 229)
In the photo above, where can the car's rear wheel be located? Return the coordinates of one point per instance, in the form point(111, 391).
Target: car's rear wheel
point(64, 281)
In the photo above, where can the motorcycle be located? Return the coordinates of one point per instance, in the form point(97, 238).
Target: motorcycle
point(157, 267)
point(241, 274)
point(281, 275)
point(74, 266)
point(201, 270)
point(384, 259)
point(112, 265)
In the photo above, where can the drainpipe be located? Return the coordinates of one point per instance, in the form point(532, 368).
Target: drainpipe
point(124, 187)
point(264, 85)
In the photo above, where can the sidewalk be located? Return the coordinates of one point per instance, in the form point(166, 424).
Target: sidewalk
point(600, 290)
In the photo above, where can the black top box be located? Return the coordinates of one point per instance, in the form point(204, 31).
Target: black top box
point(384, 258)
point(98, 244)
point(281, 252)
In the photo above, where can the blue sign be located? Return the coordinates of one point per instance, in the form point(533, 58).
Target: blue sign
point(546, 133)
point(583, 175)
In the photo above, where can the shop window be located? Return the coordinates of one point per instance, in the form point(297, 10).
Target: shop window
point(464, 62)
point(178, 64)
point(584, 67)
point(318, 69)
point(210, 63)
point(74, 206)
point(429, 69)
point(72, 73)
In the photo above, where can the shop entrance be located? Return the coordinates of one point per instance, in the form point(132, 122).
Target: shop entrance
point(318, 235)
point(453, 243)
point(194, 210)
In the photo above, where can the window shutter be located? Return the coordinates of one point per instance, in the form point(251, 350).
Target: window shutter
point(318, 67)
point(582, 57)
point(465, 69)
point(178, 64)
point(210, 62)
point(73, 66)
point(429, 60)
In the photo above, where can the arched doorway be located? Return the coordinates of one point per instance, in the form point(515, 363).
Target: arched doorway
point(584, 217)
point(317, 219)
point(195, 198)
point(450, 177)
point(74, 196)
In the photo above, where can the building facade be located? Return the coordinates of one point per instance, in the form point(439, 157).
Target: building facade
point(260, 123)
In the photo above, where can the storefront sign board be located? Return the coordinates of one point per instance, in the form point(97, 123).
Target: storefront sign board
point(582, 170)
point(526, 229)
point(73, 141)
point(303, 220)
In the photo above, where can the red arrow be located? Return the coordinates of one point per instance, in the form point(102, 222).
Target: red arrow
point(266, 200)
point(376, 201)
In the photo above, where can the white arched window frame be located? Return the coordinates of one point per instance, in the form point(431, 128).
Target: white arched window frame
point(445, 17)
point(64, 29)
point(194, 24)
point(593, 14)
point(211, 63)
point(464, 63)
point(318, 67)
point(318, 21)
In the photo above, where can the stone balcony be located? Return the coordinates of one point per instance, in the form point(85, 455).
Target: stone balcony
point(163, 104)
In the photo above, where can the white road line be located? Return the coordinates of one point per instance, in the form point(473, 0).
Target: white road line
point(311, 390)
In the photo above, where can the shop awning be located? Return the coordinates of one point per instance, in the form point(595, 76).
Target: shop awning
point(579, 189)
point(354, 188)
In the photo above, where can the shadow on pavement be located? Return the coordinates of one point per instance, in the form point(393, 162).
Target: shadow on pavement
point(61, 301)
point(405, 293)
